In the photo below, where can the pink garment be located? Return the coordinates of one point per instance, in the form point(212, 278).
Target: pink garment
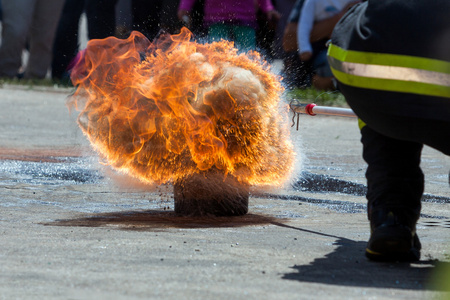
point(239, 12)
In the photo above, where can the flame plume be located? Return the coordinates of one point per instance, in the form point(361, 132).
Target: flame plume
point(165, 110)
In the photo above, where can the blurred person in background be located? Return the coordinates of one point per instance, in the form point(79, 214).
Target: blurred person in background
point(298, 73)
point(154, 17)
point(101, 23)
point(315, 11)
point(231, 20)
point(34, 21)
point(266, 34)
point(295, 73)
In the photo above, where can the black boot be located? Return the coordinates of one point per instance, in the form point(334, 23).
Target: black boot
point(393, 235)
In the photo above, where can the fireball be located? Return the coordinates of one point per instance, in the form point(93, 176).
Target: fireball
point(166, 110)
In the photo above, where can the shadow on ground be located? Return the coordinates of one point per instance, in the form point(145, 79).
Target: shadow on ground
point(347, 266)
point(154, 219)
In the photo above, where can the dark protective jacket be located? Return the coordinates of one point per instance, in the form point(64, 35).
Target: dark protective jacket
point(391, 59)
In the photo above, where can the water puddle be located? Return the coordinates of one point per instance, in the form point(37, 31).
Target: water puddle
point(439, 223)
point(315, 183)
point(62, 171)
point(310, 182)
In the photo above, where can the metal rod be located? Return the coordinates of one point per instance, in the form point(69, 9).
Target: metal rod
point(312, 110)
point(334, 111)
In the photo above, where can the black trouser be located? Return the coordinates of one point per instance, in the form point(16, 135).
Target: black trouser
point(149, 17)
point(101, 22)
point(402, 116)
point(394, 178)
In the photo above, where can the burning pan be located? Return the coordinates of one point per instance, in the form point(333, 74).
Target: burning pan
point(210, 193)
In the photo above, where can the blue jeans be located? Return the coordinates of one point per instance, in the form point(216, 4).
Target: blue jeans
point(243, 36)
point(321, 66)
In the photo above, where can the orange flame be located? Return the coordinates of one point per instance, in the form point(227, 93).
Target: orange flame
point(173, 108)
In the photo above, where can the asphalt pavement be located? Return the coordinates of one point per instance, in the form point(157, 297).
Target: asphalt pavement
point(72, 228)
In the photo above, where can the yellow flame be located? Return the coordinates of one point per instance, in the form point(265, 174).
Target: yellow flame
point(165, 110)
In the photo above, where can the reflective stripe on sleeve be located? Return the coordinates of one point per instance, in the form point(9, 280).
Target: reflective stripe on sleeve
point(390, 72)
point(361, 124)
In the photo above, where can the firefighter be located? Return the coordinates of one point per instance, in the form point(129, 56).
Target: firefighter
point(391, 60)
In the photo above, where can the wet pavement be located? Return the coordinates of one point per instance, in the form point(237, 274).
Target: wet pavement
point(71, 228)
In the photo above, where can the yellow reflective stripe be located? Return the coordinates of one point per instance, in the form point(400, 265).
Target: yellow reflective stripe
point(363, 69)
point(391, 72)
point(385, 59)
point(361, 124)
point(392, 85)
point(372, 252)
